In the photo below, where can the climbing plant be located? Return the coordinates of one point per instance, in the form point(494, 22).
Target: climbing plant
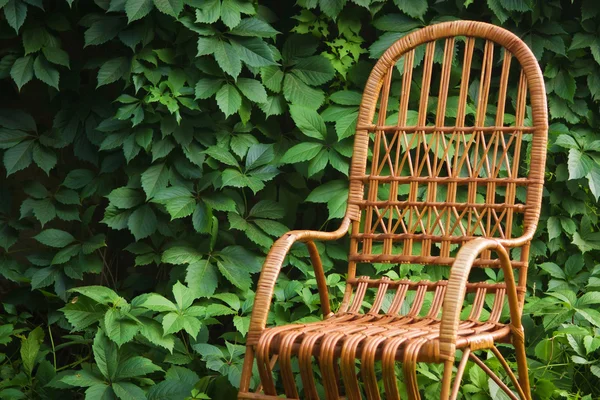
point(153, 150)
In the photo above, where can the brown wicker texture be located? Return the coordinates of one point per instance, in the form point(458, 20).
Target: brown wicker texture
point(456, 182)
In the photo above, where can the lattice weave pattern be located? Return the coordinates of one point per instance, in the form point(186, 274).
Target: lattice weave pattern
point(447, 170)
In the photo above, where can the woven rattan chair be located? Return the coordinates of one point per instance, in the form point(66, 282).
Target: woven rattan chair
point(456, 182)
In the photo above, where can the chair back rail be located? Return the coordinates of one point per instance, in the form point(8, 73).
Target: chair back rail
point(438, 162)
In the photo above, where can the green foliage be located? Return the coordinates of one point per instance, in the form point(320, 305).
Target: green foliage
point(153, 150)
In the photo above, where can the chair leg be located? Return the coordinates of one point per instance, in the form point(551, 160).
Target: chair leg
point(519, 344)
point(447, 379)
point(247, 370)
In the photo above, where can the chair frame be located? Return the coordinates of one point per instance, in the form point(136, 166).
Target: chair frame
point(472, 250)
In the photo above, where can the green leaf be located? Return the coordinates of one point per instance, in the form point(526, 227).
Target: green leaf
point(267, 209)
point(181, 207)
point(142, 222)
point(554, 228)
point(201, 218)
point(119, 329)
point(137, 9)
point(22, 71)
point(158, 303)
point(54, 238)
point(136, 366)
point(259, 154)
point(314, 71)
point(566, 141)
point(591, 315)
point(106, 355)
point(581, 41)
point(580, 164)
point(128, 390)
point(9, 138)
point(202, 278)
point(43, 277)
point(125, 197)
point(184, 296)
point(346, 125)
point(100, 391)
point(383, 43)
point(554, 270)
point(301, 152)
point(230, 13)
point(233, 177)
point(45, 72)
point(332, 8)
point(254, 27)
point(588, 299)
point(595, 49)
point(43, 210)
point(162, 148)
point(209, 11)
point(253, 51)
point(82, 378)
point(45, 158)
point(593, 82)
point(78, 178)
point(318, 163)
point(170, 389)
point(228, 59)
point(181, 255)
point(30, 347)
point(516, 5)
point(252, 89)
point(395, 23)
point(242, 258)
point(100, 294)
point(298, 92)
point(153, 331)
point(238, 276)
point(83, 312)
point(413, 8)
point(242, 324)
point(206, 88)
point(308, 121)
point(591, 344)
point(593, 178)
point(113, 70)
point(154, 179)
point(178, 201)
point(272, 77)
point(219, 201)
point(15, 13)
point(228, 99)
point(18, 157)
point(169, 7)
point(564, 85)
point(174, 322)
point(275, 105)
point(222, 155)
point(34, 39)
point(102, 30)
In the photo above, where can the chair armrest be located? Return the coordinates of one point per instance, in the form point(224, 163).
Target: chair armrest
point(272, 266)
point(457, 284)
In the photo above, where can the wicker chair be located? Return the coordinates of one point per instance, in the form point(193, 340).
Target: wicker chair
point(456, 183)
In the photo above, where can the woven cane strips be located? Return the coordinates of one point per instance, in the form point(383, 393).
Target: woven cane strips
point(447, 171)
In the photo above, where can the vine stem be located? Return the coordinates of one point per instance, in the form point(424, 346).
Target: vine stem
point(73, 364)
point(53, 349)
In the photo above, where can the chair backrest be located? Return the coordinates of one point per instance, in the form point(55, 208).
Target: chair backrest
point(450, 145)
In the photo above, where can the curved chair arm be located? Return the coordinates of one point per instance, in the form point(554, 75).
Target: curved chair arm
point(455, 292)
point(272, 266)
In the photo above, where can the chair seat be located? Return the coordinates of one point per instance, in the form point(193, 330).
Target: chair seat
point(349, 332)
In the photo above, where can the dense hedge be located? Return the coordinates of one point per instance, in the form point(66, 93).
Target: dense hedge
point(160, 146)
